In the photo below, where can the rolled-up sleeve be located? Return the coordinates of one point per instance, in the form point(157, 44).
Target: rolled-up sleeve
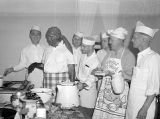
point(44, 56)
point(22, 62)
point(70, 57)
point(90, 80)
point(153, 83)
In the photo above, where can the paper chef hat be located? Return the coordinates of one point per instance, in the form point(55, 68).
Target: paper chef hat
point(37, 28)
point(141, 28)
point(104, 35)
point(79, 34)
point(118, 33)
point(88, 40)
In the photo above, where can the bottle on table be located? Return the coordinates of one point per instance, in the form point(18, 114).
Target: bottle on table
point(41, 110)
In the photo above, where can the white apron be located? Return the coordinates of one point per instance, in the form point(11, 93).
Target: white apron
point(87, 96)
point(36, 78)
point(137, 94)
point(109, 105)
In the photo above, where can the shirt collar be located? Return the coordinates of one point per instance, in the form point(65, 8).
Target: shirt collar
point(59, 45)
point(36, 46)
point(92, 55)
point(76, 48)
point(145, 52)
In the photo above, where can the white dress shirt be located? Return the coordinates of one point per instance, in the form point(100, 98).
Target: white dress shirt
point(101, 54)
point(77, 54)
point(29, 55)
point(150, 60)
point(56, 59)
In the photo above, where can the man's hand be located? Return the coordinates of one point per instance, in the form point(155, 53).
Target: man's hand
point(8, 71)
point(81, 86)
point(142, 114)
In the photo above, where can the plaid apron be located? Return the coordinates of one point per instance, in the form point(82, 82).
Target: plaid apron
point(51, 80)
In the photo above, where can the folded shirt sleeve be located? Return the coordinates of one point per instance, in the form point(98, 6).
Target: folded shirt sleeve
point(44, 56)
point(70, 57)
point(22, 62)
point(90, 80)
point(153, 83)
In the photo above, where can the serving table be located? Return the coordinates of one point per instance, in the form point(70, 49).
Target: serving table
point(75, 113)
point(11, 87)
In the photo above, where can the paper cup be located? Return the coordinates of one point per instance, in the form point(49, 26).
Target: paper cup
point(41, 112)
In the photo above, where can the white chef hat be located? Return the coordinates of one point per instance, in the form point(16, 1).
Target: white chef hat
point(141, 28)
point(37, 28)
point(118, 33)
point(87, 40)
point(79, 34)
point(105, 36)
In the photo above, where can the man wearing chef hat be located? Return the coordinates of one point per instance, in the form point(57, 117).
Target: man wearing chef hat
point(58, 61)
point(76, 45)
point(87, 81)
point(30, 54)
point(119, 62)
point(146, 76)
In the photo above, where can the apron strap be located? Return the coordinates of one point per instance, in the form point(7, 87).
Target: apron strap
point(108, 59)
point(122, 53)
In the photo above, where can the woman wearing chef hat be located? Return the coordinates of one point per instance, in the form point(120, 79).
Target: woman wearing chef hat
point(30, 54)
point(112, 97)
point(146, 76)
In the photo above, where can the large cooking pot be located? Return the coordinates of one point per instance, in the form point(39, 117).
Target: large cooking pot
point(44, 93)
point(30, 105)
point(67, 95)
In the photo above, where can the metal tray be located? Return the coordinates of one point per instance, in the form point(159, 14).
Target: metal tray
point(14, 85)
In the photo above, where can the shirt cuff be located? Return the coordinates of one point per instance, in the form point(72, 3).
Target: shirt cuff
point(90, 82)
point(149, 92)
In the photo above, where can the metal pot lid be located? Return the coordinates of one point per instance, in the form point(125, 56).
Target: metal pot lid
point(23, 99)
point(67, 83)
point(41, 90)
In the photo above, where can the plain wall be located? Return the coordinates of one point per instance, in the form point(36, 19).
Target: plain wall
point(14, 33)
